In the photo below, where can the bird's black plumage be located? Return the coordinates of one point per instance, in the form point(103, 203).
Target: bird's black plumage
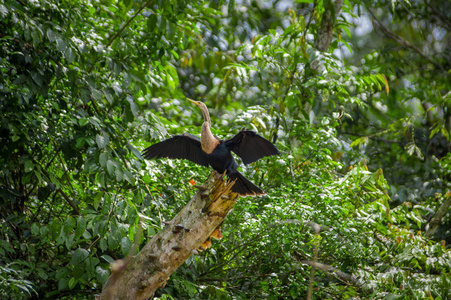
point(247, 144)
point(185, 146)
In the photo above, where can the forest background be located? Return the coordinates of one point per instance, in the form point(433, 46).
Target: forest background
point(355, 94)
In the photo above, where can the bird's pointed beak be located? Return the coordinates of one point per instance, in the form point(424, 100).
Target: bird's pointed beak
point(195, 102)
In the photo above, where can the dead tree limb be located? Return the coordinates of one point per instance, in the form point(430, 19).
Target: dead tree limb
point(140, 276)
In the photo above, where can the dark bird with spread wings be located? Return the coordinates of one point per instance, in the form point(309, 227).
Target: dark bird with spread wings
point(209, 150)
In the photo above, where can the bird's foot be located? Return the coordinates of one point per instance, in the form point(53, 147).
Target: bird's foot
point(220, 176)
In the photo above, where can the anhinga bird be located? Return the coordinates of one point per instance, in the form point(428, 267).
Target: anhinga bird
point(209, 150)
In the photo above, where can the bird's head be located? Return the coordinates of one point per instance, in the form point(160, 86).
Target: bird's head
point(204, 110)
point(198, 103)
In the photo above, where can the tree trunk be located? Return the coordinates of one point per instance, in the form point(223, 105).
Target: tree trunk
point(138, 277)
point(326, 28)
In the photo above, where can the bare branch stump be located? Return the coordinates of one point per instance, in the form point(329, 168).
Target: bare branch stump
point(138, 277)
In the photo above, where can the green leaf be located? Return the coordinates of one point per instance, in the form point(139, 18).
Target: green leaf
point(102, 140)
point(128, 4)
point(410, 148)
point(79, 256)
point(126, 245)
point(107, 258)
point(362, 142)
point(103, 244)
point(36, 35)
point(70, 55)
point(63, 273)
point(62, 284)
point(81, 227)
point(103, 158)
point(96, 94)
point(172, 78)
point(102, 275)
point(69, 240)
point(161, 23)
point(3, 11)
point(113, 240)
point(175, 54)
point(55, 229)
point(132, 105)
point(393, 5)
point(119, 174)
point(111, 167)
point(79, 142)
point(445, 133)
point(108, 96)
point(419, 153)
point(72, 283)
point(60, 44)
point(82, 122)
point(129, 177)
point(44, 232)
point(152, 23)
point(231, 6)
point(28, 166)
point(6, 246)
point(97, 199)
point(69, 225)
point(134, 151)
point(346, 29)
point(35, 229)
point(101, 226)
point(37, 78)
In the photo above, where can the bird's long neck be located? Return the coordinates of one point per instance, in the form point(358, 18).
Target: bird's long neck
point(208, 141)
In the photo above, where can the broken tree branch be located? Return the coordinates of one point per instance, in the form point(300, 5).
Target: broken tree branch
point(140, 276)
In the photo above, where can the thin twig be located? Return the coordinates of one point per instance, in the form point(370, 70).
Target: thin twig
point(370, 137)
point(446, 21)
point(128, 23)
point(400, 40)
point(342, 276)
point(123, 27)
point(69, 201)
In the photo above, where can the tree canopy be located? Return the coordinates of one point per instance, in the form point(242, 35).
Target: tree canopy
point(355, 95)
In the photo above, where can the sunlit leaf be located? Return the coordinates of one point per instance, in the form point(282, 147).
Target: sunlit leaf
point(102, 140)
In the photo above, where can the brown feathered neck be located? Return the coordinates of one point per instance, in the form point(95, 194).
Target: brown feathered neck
point(208, 141)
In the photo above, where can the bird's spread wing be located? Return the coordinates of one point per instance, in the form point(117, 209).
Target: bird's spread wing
point(185, 146)
point(250, 146)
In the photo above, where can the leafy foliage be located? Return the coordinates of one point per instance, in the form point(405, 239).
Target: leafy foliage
point(363, 128)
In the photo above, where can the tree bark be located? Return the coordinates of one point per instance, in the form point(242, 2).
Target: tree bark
point(140, 276)
point(326, 28)
point(437, 219)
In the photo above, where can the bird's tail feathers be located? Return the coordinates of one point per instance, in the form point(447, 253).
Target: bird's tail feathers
point(243, 186)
